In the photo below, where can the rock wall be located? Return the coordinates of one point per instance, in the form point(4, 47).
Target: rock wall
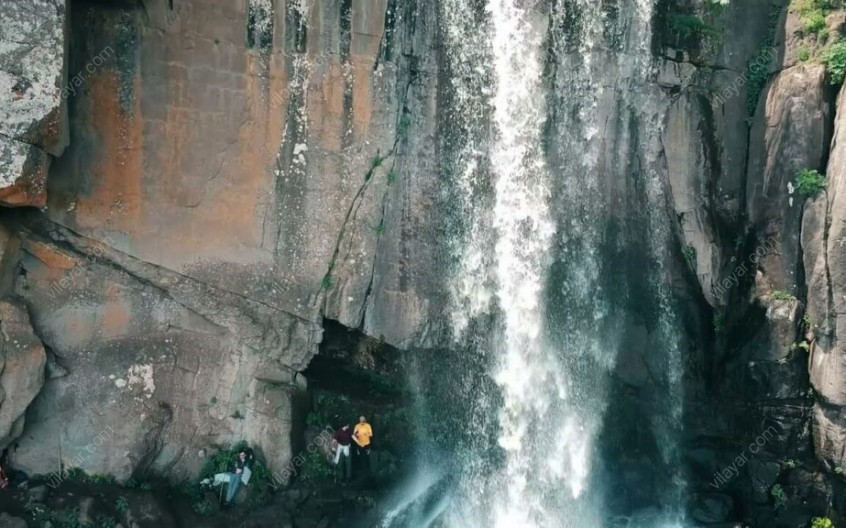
point(239, 171)
point(33, 111)
point(183, 286)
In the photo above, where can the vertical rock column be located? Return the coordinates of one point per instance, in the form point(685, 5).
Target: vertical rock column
point(824, 245)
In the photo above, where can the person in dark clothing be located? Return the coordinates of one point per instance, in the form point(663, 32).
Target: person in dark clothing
point(240, 472)
point(343, 459)
point(10, 477)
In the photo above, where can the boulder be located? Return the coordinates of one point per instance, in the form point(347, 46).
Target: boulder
point(33, 123)
point(790, 132)
point(22, 362)
point(763, 475)
point(823, 230)
point(7, 521)
point(712, 508)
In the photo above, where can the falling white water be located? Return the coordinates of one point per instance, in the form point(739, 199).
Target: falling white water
point(524, 230)
point(553, 394)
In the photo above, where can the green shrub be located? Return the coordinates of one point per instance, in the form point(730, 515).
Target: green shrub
point(203, 507)
point(810, 183)
point(687, 26)
point(716, 7)
point(780, 295)
point(758, 69)
point(719, 324)
point(330, 410)
point(689, 253)
point(121, 504)
point(778, 495)
point(804, 53)
point(812, 15)
point(814, 23)
point(821, 522)
point(105, 522)
point(790, 463)
point(802, 345)
point(834, 58)
point(315, 468)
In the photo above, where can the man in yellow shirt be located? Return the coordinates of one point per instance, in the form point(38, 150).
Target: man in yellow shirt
point(361, 436)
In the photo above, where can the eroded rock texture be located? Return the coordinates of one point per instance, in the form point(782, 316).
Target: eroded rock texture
point(182, 286)
point(33, 123)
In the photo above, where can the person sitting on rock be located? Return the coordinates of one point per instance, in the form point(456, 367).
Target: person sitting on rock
point(343, 460)
point(4, 482)
point(240, 473)
point(362, 435)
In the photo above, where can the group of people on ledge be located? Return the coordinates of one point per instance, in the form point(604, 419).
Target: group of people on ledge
point(239, 470)
point(361, 436)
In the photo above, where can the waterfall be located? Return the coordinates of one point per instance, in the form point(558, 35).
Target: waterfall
point(536, 89)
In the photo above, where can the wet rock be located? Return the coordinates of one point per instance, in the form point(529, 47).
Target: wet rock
point(712, 508)
point(37, 493)
point(763, 475)
point(7, 521)
point(86, 516)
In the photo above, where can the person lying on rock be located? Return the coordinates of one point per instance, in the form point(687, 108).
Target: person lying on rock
point(240, 473)
point(362, 435)
point(343, 460)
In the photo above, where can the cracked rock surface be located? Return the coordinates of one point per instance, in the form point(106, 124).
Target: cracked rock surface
point(33, 124)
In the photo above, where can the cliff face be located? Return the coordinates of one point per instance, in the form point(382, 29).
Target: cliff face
point(239, 171)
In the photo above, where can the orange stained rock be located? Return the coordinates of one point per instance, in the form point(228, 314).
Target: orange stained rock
point(115, 182)
point(53, 258)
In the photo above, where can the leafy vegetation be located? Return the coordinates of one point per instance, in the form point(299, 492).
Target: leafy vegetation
point(716, 7)
point(404, 124)
point(804, 53)
point(821, 522)
point(392, 176)
point(691, 26)
point(834, 58)
point(315, 468)
point(802, 345)
point(121, 504)
point(330, 410)
point(203, 507)
point(790, 463)
point(689, 253)
point(780, 295)
point(326, 283)
point(42, 516)
point(106, 522)
point(719, 324)
point(758, 69)
point(812, 15)
point(810, 183)
point(778, 495)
